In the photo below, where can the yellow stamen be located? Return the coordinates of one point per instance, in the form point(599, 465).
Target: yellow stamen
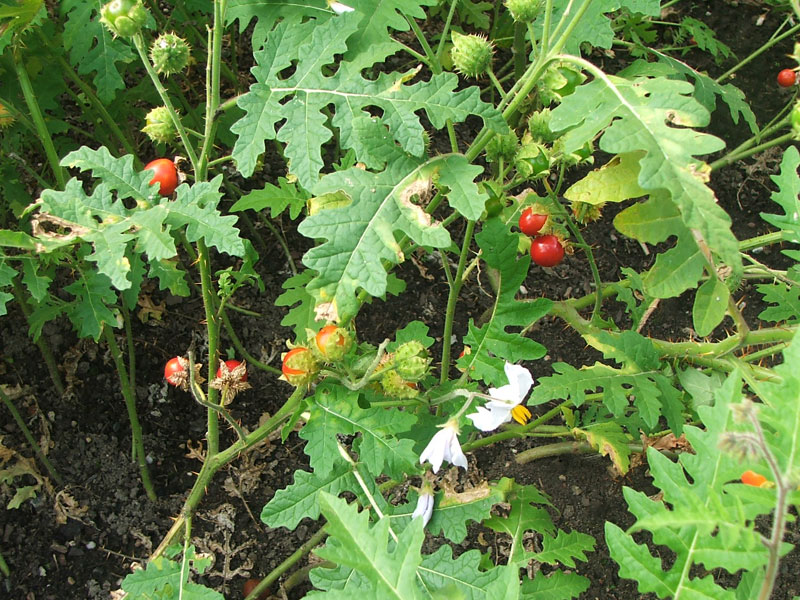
point(521, 414)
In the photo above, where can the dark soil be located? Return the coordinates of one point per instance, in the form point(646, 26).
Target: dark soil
point(80, 539)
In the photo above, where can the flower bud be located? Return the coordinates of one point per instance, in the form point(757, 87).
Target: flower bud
point(471, 54)
point(159, 126)
point(124, 18)
point(170, 53)
point(6, 118)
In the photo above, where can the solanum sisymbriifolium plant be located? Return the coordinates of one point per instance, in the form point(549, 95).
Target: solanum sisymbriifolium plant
point(374, 170)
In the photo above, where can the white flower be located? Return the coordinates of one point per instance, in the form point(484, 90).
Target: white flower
point(424, 504)
point(505, 401)
point(340, 8)
point(444, 446)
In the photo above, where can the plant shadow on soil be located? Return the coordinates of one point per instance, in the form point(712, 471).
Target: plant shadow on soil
point(81, 542)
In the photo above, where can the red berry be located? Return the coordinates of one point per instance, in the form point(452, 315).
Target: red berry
point(547, 251)
point(165, 174)
point(175, 371)
point(250, 585)
point(232, 364)
point(530, 223)
point(787, 78)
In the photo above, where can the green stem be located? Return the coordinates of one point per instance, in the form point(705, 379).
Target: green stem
point(281, 241)
point(733, 157)
point(760, 241)
point(515, 432)
point(213, 463)
point(560, 448)
point(138, 42)
point(130, 403)
point(88, 92)
point(29, 437)
point(445, 31)
point(212, 86)
point(287, 564)
point(212, 329)
point(241, 349)
point(452, 298)
point(38, 120)
point(789, 32)
point(4, 566)
point(41, 343)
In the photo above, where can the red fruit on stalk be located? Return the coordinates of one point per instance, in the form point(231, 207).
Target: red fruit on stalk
point(787, 78)
point(547, 250)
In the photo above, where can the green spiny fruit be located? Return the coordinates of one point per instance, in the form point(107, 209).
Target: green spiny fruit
point(170, 53)
point(502, 146)
point(471, 54)
point(523, 11)
point(159, 126)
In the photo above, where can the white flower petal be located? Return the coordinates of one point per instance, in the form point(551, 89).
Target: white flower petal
point(444, 446)
point(424, 508)
point(490, 419)
point(340, 8)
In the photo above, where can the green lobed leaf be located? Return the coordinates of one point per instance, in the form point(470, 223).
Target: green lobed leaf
point(299, 500)
point(786, 197)
point(92, 48)
point(352, 542)
point(564, 548)
point(706, 89)
point(618, 385)
point(554, 586)
point(498, 340)
point(523, 516)
point(360, 236)
point(454, 510)
point(679, 268)
point(302, 315)
point(301, 98)
point(654, 115)
point(195, 207)
point(275, 197)
point(462, 576)
point(89, 312)
point(335, 411)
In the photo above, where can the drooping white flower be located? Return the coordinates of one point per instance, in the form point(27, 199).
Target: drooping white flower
point(339, 8)
point(444, 446)
point(506, 400)
point(425, 502)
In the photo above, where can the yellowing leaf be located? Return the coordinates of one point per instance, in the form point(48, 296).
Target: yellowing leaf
point(615, 181)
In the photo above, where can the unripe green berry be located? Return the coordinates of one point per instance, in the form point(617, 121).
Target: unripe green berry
point(159, 126)
point(523, 11)
point(411, 361)
point(471, 54)
point(533, 161)
point(124, 18)
point(502, 146)
point(794, 118)
point(170, 53)
point(397, 387)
